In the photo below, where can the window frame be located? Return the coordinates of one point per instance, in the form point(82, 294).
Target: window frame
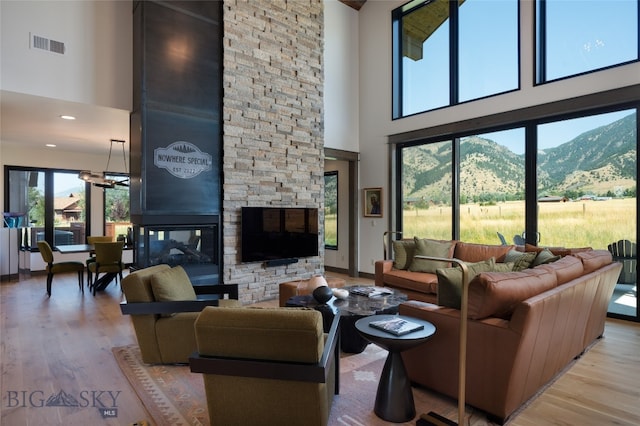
point(541, 42)
point(531, 152)
point(104, 200)
point(397, 97)
point(337, 177)
point(49, 195)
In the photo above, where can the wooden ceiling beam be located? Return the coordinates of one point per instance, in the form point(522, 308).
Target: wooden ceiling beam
point(356, 4)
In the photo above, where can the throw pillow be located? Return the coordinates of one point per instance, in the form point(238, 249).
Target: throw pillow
point(172, 285)
point(543, 257)
point(503, 267)
point(520, 260)
point(435, 248)
point(450, 281)
point(403, 251)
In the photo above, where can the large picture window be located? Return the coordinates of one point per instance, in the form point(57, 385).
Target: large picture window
point(447, 52)
point(492, 190)
point(427, 190)
point(53, 202)
point(566, 181)
point(578, 37)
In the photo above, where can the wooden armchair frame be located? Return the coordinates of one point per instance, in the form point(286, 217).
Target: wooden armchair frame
point(264, 369)
point(146, 308)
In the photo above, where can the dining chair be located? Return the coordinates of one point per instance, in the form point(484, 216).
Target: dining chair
point(108, 261)
point(54, 268)
point(92, 239)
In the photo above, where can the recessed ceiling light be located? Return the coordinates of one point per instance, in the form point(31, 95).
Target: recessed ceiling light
point(51, 145)
point(67, 117)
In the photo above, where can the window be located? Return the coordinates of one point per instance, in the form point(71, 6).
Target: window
point(488, 48)
point(117, 220)
point(451, 52)
point(586, 170)
point(579, 37)
point(331, 210)
point(427, 190)
point(54, 203)
point(492, 186)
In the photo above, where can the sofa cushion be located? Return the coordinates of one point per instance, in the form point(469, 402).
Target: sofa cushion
point(403, 251)
point(428, 247)
point(450, 281)
point(471, 252)
point(172, 285)
point(594, 259)
point(422, 282)
point(498, 293)
point(137, 285)
point(521, 260)
point(566, 269)
point(544, 256)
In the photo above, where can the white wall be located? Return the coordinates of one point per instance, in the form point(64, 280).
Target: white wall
point(95, 69)
point(341, 76)
point(375, 105)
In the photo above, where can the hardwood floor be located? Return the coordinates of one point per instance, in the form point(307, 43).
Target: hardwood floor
point(63, 344)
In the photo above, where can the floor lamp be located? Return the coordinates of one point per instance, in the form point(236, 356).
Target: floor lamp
point(432, 418)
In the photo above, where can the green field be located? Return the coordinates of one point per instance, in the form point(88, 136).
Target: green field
point(571, 224)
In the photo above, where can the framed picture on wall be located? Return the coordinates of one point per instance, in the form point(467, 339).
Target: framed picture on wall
point(372, 202)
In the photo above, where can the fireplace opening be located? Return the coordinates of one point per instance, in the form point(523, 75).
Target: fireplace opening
point(194, 247)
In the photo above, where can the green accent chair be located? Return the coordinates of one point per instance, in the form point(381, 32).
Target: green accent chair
point(92, 239)
point(267, 366)
point(164, 305)
point(108, 261)
point(59, 267)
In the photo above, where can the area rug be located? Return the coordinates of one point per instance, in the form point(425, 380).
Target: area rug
point(174, 396)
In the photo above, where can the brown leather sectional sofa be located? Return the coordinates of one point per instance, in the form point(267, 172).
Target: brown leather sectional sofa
point(423, 285)
point(524, 328)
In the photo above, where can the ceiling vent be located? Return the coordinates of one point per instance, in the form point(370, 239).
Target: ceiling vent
point(38, 42)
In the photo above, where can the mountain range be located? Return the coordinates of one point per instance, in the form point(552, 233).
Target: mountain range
point(600, 162)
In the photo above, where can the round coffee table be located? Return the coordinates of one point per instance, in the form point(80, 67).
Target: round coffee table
point(351, 309)
point(394, 398)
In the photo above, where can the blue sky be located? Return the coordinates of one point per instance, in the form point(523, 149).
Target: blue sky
point(582, 36)
point(554, 134)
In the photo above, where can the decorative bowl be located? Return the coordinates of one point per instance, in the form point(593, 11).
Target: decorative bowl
point(340, 293)
point(322, 294)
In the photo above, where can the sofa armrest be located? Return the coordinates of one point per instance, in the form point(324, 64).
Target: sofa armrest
point(382, 267)
point(157, 308)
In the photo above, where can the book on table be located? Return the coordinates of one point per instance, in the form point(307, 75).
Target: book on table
point(396, 326)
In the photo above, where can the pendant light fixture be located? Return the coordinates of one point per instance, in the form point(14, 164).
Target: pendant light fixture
point(99, 179)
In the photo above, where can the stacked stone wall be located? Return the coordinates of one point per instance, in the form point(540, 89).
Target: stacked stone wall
point(272, 127)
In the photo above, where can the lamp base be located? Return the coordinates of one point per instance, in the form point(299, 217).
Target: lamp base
point(434, 419)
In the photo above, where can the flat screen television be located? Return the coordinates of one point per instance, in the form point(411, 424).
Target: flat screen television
point(278, 233)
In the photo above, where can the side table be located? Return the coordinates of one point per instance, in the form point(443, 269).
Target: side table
point(394, 398)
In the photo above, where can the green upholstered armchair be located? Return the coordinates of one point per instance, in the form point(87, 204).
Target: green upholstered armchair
point(271, 366)
point(164, 305)
point(59, 267)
